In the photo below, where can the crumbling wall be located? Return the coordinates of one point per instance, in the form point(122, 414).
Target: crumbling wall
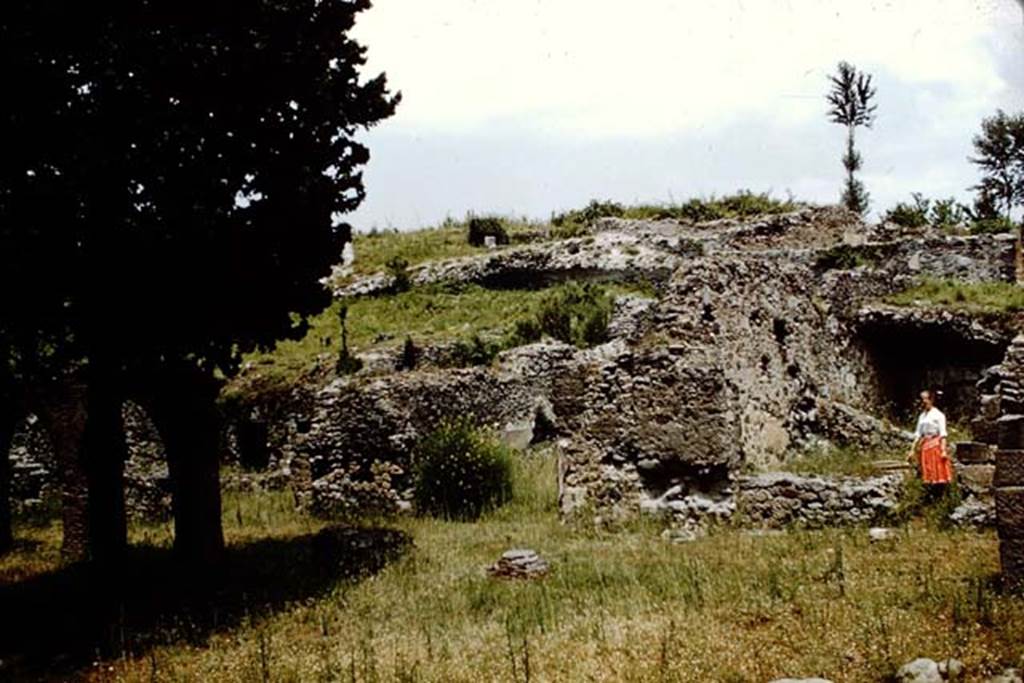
point(357, 451)
point(36, 481)
point(642, 423)
point(777, 342)
point(781, 499)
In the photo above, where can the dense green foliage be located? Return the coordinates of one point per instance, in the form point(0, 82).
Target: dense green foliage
point(573, 313)
point(851, 104)
point(398, 270)
point(460, 472)
point(199, 153)
point(481, 321)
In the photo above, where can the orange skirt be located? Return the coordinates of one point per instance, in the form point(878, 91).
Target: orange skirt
point(935, 466)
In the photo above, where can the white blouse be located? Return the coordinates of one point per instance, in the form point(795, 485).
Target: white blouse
point(931, 423)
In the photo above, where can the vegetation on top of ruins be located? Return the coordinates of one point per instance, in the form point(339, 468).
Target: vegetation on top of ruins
point(623, 605)
point(840, 461)
point(945, 215)
point(742, 204)
point(980, 297)
point(481, 320)
point(374, 250)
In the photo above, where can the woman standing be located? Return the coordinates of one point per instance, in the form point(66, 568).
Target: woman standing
point(930, 449)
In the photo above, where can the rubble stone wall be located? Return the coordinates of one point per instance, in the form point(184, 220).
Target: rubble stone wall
point(781, 499)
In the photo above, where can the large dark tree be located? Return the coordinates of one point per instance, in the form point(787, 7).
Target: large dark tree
point(170, 186)
point(851, 104)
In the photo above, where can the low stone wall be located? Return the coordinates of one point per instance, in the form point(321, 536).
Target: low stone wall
point(782, 499)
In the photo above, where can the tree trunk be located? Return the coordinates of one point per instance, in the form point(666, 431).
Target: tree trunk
point(87, 433)
point(104, 452)
point(182, 404)
point(8, 419)
point(62, 407)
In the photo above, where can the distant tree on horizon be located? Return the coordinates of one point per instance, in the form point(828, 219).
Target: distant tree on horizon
point(999, 154)
point(851, 105)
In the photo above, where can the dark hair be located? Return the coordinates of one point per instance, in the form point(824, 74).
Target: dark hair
point(934, 394)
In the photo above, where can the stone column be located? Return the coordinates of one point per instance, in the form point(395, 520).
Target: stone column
point(1009, 495)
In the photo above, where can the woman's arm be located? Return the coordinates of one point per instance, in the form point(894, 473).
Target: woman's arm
point(912, 453)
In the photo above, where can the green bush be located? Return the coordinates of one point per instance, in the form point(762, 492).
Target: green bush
point(411, 353)
point(459, 472)
point(992, 226)
point(481, 227)
point(839, 257)
point(475, 351)
point(398, 270)
point(574, 313)
point(910, 215)
point(946, 215)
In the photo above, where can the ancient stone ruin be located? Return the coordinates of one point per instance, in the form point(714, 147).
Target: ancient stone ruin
point(765, 339)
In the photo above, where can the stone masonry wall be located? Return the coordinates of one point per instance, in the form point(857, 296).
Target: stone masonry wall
point(781, 499)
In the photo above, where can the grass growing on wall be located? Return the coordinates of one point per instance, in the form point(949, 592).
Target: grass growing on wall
point(432, 313)
point(981, 297)
point(616, 606)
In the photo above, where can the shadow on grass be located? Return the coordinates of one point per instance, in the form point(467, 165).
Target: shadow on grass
point(63, 620)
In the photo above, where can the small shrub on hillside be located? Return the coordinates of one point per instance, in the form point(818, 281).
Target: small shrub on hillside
point(410, 357)
point(459, 472)
point(839, 257)
point(947, 215)
point(398, 270)
point(910, 215)
point(481, 227)
point(574, 313)
point(568, 230)
point(347, 363)
point(475, 351)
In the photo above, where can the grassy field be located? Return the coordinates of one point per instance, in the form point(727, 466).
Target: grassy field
point(623, 606)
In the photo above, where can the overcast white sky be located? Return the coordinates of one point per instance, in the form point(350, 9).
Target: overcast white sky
point(531, 106)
